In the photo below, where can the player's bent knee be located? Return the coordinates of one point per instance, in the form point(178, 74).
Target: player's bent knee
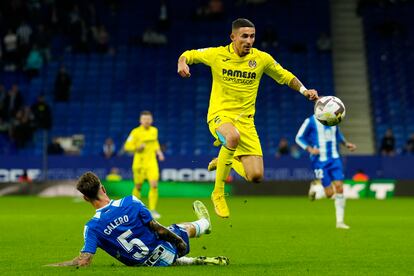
point(255, 177)
point(329, 194)
point(339, 188)
point(232, 140)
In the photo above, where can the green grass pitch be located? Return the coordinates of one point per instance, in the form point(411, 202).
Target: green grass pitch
point(264, 236)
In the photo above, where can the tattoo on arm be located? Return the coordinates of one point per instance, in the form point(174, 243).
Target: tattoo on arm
point(295, 84)
point(164, 233)
point(84, 259)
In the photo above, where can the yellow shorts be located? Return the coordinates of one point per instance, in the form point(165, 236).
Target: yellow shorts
point(249, 140)
point(150, 173)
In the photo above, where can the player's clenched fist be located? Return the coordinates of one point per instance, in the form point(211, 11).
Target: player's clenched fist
point(350, 146)
point(181, 248)
point(313, 150)
point(311, 94)
point(183, 69)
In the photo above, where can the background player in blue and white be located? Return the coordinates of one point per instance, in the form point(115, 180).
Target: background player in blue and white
point(322, 142)
point(125, 229)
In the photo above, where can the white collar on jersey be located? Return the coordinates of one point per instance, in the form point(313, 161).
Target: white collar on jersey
point(100, 209)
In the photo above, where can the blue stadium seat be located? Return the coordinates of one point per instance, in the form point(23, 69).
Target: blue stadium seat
point(109, 91)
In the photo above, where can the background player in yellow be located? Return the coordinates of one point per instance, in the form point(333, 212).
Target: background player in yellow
point(143, 142)
point(237, 69)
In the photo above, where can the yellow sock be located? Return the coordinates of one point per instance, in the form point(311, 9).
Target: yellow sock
point(238, 167)
point(152, 198)
point(224, 163)
point(136, 193)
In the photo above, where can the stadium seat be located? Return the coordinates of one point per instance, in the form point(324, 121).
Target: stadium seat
point(109, 91)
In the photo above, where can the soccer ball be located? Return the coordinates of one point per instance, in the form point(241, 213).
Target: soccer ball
point(329, 110)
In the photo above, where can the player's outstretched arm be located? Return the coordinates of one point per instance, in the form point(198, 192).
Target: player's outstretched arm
point(182, 67)
point(297, 85)
point(84, 259)
point(169, 236)
point(189, 57)
point(283, 76)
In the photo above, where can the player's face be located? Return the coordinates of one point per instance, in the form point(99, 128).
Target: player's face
point(243, 39)
point(145, 120)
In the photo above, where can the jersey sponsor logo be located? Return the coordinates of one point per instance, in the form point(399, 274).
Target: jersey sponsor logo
point(226, 59)
point(118, 221)
point(238, 76)
point(252, 63)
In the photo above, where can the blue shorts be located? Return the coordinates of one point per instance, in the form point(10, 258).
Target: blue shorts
point(328, 171)
point(182, 233)
point(166, 253)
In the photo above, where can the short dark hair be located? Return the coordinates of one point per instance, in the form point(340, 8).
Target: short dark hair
point(241, 22)
point(89, 184)
point(145, 112)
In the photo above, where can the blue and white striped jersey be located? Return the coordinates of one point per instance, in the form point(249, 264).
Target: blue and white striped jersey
point(121, 229)
point(326, 138)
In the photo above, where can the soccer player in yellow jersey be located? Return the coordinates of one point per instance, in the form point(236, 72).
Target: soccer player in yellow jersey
point(143, 142)
point(237, 69)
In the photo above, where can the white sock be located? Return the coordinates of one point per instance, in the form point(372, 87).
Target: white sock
point(200, 226)
point(340, 207)
point(319, 191)
point(185, 261)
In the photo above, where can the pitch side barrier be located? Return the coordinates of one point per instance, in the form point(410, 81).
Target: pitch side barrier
point(377, 188)
point(194, 168)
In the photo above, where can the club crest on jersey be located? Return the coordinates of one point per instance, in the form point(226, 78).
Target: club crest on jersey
point(252, 63)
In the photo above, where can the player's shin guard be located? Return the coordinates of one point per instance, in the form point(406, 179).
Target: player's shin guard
point(238, 167)
point(224, 164)
point(136, 193)
point(340, 207)
point(152, 198)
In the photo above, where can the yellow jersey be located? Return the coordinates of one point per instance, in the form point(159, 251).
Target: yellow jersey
point(236, 79)
point(136, 138)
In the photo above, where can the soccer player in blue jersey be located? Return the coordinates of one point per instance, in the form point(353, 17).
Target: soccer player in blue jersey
point(322, 142)
point(125, 229)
